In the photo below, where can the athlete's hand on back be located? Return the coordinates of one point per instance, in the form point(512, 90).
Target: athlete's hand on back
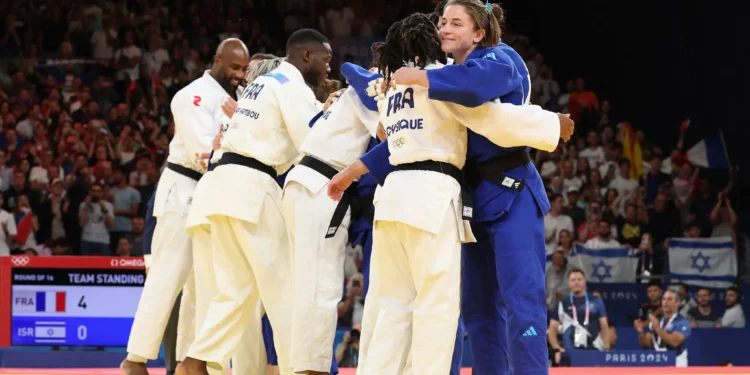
point(567, 126)
point(332, 98)
point(228, 107)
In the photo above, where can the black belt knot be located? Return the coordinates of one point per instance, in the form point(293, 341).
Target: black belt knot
point(329, 172)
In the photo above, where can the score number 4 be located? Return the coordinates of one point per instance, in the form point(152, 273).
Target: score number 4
point(82, 331)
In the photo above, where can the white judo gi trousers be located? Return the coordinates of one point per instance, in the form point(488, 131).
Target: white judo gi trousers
point(417, 278)
point(250, 355)
point(251, 264)
point(172, 261)
point(317, 268)
point(369, 318)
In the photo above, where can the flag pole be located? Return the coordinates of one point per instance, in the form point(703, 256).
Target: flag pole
point(726, 150)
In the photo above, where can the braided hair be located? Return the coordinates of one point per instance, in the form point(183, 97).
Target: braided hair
point(414, 39)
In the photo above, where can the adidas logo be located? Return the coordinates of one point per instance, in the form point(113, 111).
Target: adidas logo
point(530, 332)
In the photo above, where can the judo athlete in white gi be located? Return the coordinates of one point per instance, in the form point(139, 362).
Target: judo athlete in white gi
point(197, 115)
point(317, 227)
point(250, 248)
point(419, 228)
point(250, 356)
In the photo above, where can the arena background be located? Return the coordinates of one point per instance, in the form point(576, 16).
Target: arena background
point(657, 62)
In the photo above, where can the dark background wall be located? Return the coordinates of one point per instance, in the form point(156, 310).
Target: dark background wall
point(658, 62)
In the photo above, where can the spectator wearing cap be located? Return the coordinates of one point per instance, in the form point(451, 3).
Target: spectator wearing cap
point(554, 222)
point(572, 209)
point(734, 316)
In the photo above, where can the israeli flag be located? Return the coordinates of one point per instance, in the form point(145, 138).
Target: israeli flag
point(711, 152)
point(708, 262)
point(617, 265)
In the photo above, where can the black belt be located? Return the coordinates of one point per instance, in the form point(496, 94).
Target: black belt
point(494, 171)
point(340, 212)
point(362, 207)
point(187, 172)
point(448, 170)
point(232, 158)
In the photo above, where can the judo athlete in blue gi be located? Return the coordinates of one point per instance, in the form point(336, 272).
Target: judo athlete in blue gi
point(507, 262)
point(398, 274)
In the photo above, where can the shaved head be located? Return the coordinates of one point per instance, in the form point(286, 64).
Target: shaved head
point(230, 64)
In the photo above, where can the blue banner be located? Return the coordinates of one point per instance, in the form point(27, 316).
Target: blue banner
point(621, 358)
point(44, 331)
point(621, 300)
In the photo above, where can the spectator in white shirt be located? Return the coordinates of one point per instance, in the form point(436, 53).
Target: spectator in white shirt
point(623, 182)
point(733, 317)
point(594, 152)
point(339, 19)
point(128, 59)
point(157, 55)
point(604, 239)
point(549, 167)
point(609, 169)
point(7, 229)
point(554, 222)
point(570, 181)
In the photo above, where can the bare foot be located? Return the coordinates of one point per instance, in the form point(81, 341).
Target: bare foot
point(191, 366)
point(133, 368)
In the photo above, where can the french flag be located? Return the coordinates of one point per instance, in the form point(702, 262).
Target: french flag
point(711, 152)
point(50, 301)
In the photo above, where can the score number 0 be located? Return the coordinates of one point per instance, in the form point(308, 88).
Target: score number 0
point(82, 331)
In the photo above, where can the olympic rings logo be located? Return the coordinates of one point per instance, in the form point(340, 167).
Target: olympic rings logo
point(20, 261)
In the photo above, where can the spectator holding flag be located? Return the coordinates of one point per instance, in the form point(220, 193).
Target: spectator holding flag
point(26, 223)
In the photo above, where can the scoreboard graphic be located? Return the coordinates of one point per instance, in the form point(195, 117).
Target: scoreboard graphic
point(68, 301)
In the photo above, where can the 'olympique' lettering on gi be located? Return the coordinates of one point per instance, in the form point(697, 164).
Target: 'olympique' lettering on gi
point(412, 124)
point(400, 101)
